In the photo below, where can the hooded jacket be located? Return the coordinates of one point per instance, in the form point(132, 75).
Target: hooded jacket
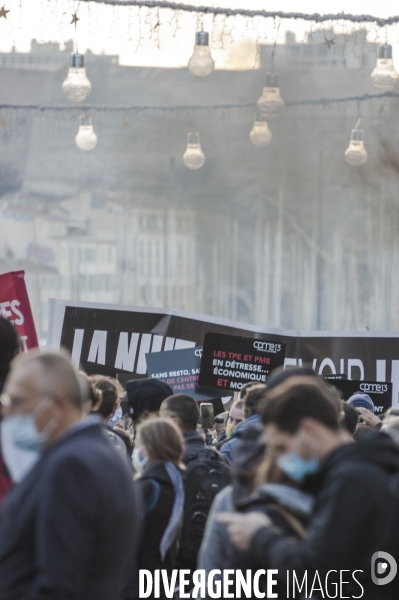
point(251, 426)
point(355, 515)
point(217, 552)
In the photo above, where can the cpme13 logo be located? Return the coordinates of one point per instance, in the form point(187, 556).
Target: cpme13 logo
point(267, 347)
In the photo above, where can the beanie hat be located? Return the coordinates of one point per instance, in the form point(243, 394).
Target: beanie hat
point(361, 400)
point(146, 395)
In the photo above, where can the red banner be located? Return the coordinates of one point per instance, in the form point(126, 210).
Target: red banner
point(15, 307)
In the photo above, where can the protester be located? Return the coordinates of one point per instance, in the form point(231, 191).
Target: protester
point(205, 476)
point(355, 513)
point(220, 429)
point(145, 397)
point(68, 530)
point(235, 417)
point(160, 484)
point(9, 347)
point(365, 407)
point(250, 426)
point(111, 392)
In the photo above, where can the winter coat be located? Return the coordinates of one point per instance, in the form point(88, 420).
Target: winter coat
point(229, 448)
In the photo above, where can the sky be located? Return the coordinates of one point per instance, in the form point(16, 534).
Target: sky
point(151, 38)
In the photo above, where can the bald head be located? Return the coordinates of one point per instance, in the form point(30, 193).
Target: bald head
point(50, 373)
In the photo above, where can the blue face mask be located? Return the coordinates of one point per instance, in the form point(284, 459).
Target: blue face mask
point(296, 467)
point(21, 430)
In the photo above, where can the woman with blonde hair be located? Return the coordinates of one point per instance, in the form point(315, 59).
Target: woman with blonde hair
point(158, 457)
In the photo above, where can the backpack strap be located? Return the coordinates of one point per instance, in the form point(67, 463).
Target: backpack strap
point(294, 522)
point(153, 500)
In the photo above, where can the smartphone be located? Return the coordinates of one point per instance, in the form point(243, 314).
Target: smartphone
point(206, 412)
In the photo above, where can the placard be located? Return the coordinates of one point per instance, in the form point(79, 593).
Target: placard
point(229, 362)
point(380, 393)
point(15, 307)
point(179, 369)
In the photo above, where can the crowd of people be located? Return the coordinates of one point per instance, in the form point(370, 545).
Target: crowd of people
point(99, 482)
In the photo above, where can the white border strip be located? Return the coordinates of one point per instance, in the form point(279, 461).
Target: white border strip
point(57, 314)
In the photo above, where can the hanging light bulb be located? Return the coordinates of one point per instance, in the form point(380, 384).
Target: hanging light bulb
point(193, 157)
point(201, 64)
point(76, 86)
point(356, 154)
point(86, 139)
point(384, 75)
point(270, 105)
point(260, 134)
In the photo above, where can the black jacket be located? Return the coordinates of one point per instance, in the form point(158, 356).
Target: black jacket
point(68, 530)
point(355, 515)
point(194, 443)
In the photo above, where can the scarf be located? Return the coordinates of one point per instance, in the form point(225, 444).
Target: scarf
point(172, 528)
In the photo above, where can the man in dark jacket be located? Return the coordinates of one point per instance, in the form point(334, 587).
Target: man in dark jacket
point(184, 412)
point(68, 530)
point(9, 347)
point(356, 509)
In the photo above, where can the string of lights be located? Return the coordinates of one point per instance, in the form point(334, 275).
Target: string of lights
point(251, 13)
point(189, 107)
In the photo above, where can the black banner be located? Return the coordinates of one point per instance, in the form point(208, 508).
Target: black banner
point(108, 339)
point(229, 362)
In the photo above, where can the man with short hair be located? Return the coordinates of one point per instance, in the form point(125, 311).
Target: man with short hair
point(356, 509)
point(183, 410)
point(68, 530)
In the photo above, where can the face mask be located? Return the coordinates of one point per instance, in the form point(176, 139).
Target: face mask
point(19, 462)
point(22, 432)
point(296, 467)
point(229, 429)
point(139, 460)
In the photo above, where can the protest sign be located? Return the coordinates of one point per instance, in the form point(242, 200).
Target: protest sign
point(109, 339)
point(15, 307)
point(229, 362)
point(380, 393)
point(179, 369)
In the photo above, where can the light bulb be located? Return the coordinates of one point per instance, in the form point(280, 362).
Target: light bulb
point(86, 139)
point(201, 64)
point(193, 157)
point(356, 154)
point(270, 105)
point(260, 134)
point(76, 86)
point(384, 75)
